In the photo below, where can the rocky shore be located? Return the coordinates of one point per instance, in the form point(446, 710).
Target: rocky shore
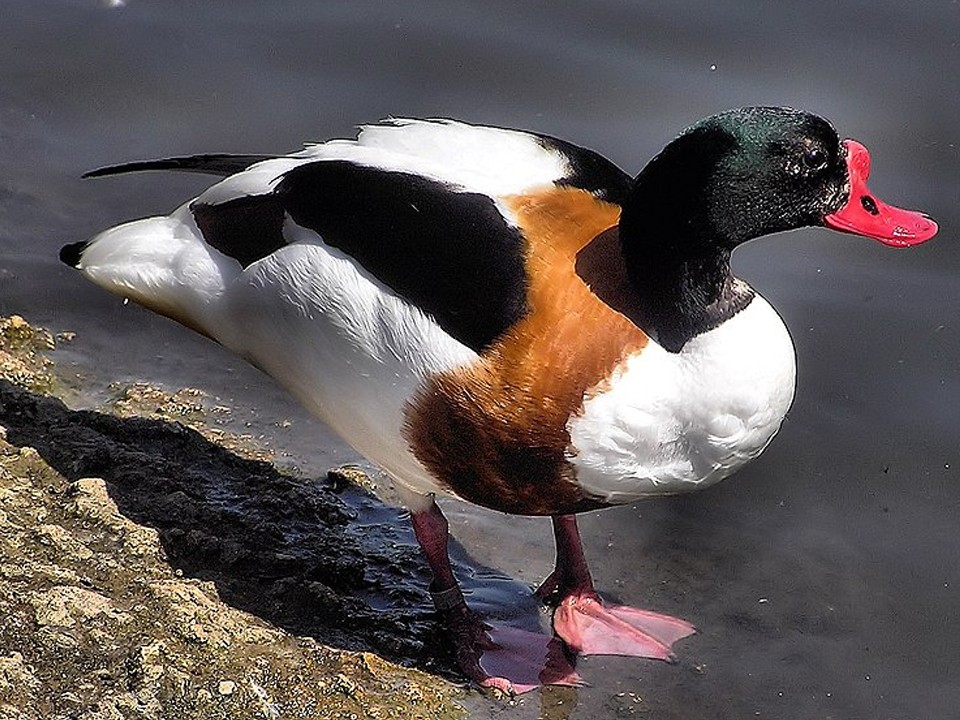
point(154, 566)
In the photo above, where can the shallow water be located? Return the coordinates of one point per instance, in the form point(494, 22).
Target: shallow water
point(825, 577)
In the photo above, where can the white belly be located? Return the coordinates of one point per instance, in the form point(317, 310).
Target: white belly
point(671, 423)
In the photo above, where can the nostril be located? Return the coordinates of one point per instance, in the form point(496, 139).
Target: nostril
point(869, 204)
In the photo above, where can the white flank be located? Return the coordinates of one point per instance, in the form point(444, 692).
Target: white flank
point(673, 423)
point(344, 345)
point(350, 350)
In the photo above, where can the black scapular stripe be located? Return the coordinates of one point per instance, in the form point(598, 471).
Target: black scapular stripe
point(450, 253)
point(246, 229)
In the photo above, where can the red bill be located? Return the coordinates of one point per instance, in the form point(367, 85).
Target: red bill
point(865, 214)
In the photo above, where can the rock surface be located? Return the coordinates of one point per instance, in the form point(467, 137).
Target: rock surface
point(146, 572)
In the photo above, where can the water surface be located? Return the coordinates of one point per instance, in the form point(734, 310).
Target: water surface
point(826, 576)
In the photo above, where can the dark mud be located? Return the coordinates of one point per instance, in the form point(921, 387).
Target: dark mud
point(155, 566)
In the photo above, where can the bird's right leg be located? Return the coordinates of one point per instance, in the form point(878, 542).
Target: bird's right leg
point(508, 659)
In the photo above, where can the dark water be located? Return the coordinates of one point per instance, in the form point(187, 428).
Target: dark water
point(825, 577)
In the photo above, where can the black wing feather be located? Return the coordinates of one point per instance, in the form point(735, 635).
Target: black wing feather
point(222, 164)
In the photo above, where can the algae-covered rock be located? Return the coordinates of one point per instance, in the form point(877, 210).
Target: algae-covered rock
point(118, 549)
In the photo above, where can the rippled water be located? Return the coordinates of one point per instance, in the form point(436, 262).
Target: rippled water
point(826, 577)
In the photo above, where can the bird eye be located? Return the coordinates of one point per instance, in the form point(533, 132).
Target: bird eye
point(814, 158)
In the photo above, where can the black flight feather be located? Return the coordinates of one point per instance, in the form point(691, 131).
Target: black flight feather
point(222, 164)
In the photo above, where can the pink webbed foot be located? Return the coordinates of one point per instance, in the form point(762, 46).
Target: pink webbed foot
point(507, 659)
point(528, 659)
point(589, 627)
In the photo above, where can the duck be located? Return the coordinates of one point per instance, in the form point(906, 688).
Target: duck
point(510, 319)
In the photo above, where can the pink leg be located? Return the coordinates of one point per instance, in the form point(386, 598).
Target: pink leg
point(590, 627)
point(510, 660)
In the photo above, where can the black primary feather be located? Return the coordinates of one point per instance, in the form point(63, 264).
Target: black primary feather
point(222, 164)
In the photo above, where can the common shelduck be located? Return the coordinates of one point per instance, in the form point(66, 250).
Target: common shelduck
point(511, 319)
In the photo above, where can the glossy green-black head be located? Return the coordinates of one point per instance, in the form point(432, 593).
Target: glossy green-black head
point(759, 170)
point(729, 178)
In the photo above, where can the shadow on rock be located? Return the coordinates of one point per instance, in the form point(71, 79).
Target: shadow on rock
point(289, 551)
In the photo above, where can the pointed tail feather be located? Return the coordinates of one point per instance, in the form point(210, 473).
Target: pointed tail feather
point(72, 253)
